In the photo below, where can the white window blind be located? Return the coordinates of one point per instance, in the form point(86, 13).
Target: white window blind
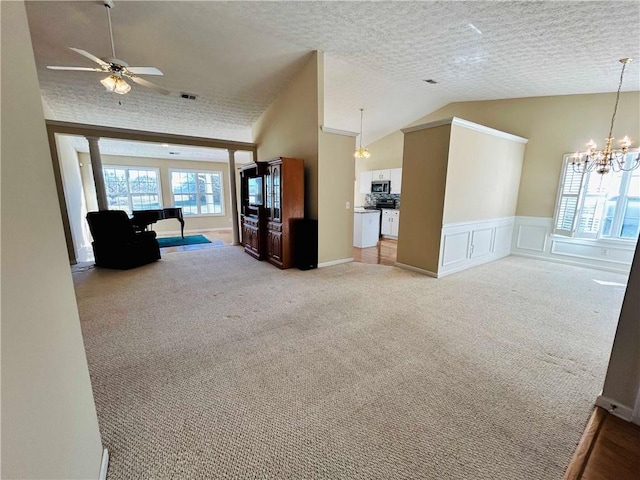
point(569, 191)
point(596, 206)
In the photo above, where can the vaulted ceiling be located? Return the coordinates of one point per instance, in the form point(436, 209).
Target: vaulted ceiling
point(237, 56)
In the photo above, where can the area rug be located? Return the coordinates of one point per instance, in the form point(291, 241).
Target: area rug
point(179, 241)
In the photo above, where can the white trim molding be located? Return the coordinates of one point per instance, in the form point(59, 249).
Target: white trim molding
point(467, 244)
point(533, 238)
point(636, 410)
point(104, 465)
point(416, 269)
point(335, 131)
point(466, 124)
point(615, 408)
point(335, 262)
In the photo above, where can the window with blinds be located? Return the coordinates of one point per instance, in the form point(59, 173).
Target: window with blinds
point(132, 188)
point(568, 198)
point(595, 206)
point(197, 192)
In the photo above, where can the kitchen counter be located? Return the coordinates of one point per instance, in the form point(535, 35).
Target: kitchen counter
point(363, 210)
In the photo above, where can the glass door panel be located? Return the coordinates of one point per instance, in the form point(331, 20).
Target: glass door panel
point(275, 178)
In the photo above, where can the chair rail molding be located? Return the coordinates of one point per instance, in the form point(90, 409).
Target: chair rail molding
point(467, 244)
point(533, 237)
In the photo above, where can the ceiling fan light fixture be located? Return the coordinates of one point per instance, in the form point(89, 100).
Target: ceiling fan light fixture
point(115, 84)
point(109, 82)
point(122, 87)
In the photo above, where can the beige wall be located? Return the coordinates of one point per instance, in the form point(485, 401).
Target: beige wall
point(49, 422)
point(554, 126)
point(335, 225)
point(622, 383)
point(483, 176)
point(88, 185)
point(385, 154)
point(290, 126)
point(424, 174)
point(164, 165)
point(74, 199)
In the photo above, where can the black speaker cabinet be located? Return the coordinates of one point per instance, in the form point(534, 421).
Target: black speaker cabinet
point(305, 238)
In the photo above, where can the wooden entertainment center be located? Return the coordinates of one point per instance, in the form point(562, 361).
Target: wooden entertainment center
point(272, 199)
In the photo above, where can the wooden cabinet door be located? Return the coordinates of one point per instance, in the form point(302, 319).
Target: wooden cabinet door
point(274, 245)
point(268, 190)
point(251, 238)
point(276, 181)
point(245, 235)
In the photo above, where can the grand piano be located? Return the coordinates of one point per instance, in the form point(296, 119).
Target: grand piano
point(141, 219)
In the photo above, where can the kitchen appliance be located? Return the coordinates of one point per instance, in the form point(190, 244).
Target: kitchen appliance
point(381, 186)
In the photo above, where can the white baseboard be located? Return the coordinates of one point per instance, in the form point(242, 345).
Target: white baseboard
point(474, 263)
point(104, 465)
point(615, 408)
point(416, 269)
point(335, 262)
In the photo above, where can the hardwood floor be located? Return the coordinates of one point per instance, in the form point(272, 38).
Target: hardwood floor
point(608, 450)
point(383, 254)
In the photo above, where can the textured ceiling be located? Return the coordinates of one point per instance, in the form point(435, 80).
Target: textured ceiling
point(238, 55)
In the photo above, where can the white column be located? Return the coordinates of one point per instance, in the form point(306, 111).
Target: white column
point(98, 177)
point(234, 197)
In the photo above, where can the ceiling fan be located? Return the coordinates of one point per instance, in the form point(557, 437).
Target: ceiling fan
point(116, 69)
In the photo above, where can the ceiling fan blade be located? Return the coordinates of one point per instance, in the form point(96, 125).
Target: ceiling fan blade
point(144, 70)
point(146, 83)
point(89, 56)
point(77, 69)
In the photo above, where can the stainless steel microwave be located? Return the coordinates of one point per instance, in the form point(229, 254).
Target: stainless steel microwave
point(383, 186)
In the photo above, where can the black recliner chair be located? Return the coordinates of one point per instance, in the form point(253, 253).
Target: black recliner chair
point(116, 244)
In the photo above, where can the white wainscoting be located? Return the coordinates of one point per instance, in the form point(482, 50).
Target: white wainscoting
point(532, 237)
point(467, 244)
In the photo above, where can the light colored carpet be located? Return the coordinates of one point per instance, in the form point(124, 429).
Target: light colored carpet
point(209, 364)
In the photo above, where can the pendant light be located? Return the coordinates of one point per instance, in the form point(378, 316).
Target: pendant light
point(361, 152)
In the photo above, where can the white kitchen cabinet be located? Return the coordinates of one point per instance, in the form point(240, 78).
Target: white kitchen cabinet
point(396, 180)
point(390, 222)
point(377, 175)
point(365, 182)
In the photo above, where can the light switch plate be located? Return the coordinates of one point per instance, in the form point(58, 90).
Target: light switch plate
point(348, 205)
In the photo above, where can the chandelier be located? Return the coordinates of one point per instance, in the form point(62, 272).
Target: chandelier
point(602, 161)
point(361, 152)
